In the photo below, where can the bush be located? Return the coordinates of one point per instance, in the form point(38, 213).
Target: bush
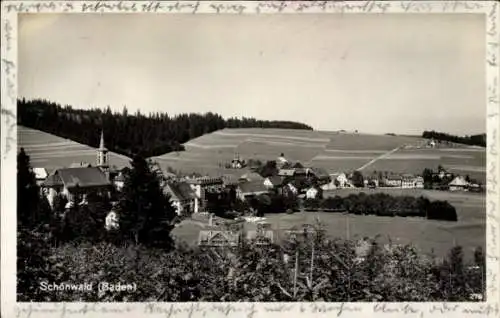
point(441, 210)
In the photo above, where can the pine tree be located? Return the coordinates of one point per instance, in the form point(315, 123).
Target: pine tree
point(145, 213)
point(28, 197)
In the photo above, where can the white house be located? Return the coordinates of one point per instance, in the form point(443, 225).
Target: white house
point(40, 175)
point(293, 189)
point(459, 183)
point(313, 193)
point(182, 197)
point(281, 160)
point(273, 182)
point(119, 181)
point(342, 180)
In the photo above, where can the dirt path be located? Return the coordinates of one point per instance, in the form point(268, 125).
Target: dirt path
point(382, 156)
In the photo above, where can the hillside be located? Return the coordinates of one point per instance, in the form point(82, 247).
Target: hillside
point(330, 150)
point(50, 151)
point(149, 135)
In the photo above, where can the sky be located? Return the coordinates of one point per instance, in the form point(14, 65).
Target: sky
point(372, 73)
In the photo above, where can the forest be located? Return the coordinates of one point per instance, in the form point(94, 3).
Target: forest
point(128, 134)
point(473, 140)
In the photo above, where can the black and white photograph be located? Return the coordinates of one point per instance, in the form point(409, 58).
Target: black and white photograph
point(251, 158)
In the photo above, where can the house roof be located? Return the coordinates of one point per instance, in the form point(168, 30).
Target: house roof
point(298, 165)
point(251, 187)
point(82, 177)
point(286, 172)
point(393, 177)
point(252, 176)
point(458, 181)
point(206, 180)
point(320, 172)
point(52, 180)
point(181, 190)
point(40, 173)
point(276, 180)
point(229, 180)
point(80, 164)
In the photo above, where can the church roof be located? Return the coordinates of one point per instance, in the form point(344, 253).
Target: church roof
point(82, 177)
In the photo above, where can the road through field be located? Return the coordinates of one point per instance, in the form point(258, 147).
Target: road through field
point(382, 156)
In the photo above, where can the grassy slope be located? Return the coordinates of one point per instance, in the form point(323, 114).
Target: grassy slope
point(329, 150)
point(49, 151)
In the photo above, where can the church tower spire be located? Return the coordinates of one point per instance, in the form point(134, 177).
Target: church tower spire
point(102, 154)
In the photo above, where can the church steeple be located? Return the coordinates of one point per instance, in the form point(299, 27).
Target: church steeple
point(102, 154)
point(101, 144)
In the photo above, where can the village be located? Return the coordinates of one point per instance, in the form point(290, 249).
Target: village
point(198, 197)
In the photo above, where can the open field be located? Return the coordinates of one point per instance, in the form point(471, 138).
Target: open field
point(332, 151)
point(427, 235)
point(49, 151)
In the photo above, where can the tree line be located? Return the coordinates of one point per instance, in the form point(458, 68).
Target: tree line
point(383, 204)
point(131, 134)
point(75, 249)
point(473, 140)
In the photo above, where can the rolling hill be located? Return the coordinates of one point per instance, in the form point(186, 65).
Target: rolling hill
point(332, 151)
point(50, 151)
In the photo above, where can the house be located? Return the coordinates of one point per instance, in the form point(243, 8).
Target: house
point(408, 181)
point(237, 162)
point(261, 237)
point(281, 161)
point(393, 180)
point(418, 182)
point(250, 189)
point(286, 172)
point(76, 183)
point(458, 184)
point(80, 164)
point(229, 181)
point(40, 175)
point(320, 174)
point(274, 182)
point(182, 197)
point(291, 188)
point(119, 181)
point(314, 193)
point(341, 180)
point(218, 238)
point(252, 176)
point(201, 186)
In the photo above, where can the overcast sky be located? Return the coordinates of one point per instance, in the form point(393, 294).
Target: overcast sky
point(374, 73)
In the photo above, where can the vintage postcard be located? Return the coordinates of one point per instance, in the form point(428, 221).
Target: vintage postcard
point(250, 159)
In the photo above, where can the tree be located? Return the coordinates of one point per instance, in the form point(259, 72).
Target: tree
point(144, 210)
point(428, 176)
point(358, 179)
point(27, 191)
point(269, 169)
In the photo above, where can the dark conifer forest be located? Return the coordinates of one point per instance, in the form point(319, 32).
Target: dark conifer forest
point(131, 134)
point(473, 140)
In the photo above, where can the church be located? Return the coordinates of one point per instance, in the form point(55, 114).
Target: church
point(76, 182)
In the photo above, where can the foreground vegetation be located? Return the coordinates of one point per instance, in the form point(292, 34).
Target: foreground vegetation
point(76, 248)
point(150, 135)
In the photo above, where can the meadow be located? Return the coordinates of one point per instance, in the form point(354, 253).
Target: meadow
point(51, 152)
point(429, 236)
point(333, 151)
